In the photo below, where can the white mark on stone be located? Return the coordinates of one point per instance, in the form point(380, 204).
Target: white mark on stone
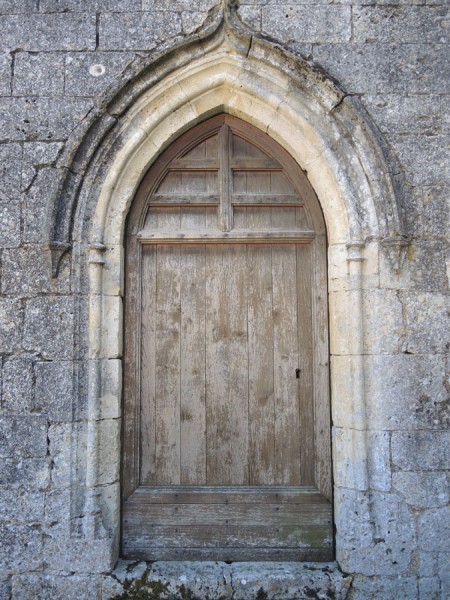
point(183, 578)
point(97, 70)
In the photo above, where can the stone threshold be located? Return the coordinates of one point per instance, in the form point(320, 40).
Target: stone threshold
point(189, 580)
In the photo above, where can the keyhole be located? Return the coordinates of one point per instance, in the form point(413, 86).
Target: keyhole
point(297, 373)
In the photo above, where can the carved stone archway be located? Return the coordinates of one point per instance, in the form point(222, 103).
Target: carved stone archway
point(223, 68)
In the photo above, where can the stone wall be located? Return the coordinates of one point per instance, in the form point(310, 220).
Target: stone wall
point(59, 60)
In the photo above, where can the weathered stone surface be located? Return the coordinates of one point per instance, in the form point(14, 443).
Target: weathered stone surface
point(400, 24)
point(54, 389)
point(19, 506)
point(20, 547)
point(251, 16)
point(421, 450)
point(157, 5)
point(18, 385)
point(89, 5)
point(36, 156)
point(381, 588)
point(54, 587)
point(41, 118)
point(422, 490)
point(32, 473)
point(35, 206)
point(428, 211)
point(217, 580)
point(10, 158)
point(424, 158)
point(378, 68)
point(319, 23)
point(10, 324)
point(49, 326)
point(9, 225)
point(75, 555)
point(30, 430)
point(5, 73)
point(60, 449)
point(34, 32)
point(429, 588)
point(17, 6)
point(434, 529)
point(137, 31)
point(419, 113)
point(191, 21)
point(427, 322)
point(5, 587)
point(109, 451)
point(38, 74)
point(88, 74)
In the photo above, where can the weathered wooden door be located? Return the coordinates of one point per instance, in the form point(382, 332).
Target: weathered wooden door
point(226, 422)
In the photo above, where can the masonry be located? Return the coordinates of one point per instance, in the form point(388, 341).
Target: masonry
point(91, 93)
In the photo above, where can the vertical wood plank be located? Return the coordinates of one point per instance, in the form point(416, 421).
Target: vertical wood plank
point(287, 447)
point(226, 365)
point(260, 365)
point(148, 366)
point(192, 405)
point(305, 363)
point(168, 366)
point(225, 210)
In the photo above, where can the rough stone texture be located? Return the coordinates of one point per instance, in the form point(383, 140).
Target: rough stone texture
point(59, 60)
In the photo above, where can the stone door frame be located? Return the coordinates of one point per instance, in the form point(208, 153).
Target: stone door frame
point(224, 69)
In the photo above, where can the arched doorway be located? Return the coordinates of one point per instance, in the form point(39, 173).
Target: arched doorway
point(226, 405)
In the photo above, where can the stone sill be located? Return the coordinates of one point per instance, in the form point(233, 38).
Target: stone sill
point(188, 580)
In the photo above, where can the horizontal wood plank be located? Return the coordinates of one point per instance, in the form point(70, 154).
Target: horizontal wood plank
point(255, 164)
point(177, 200)
point(194, 164)
point(237, 237)
point(268, 199)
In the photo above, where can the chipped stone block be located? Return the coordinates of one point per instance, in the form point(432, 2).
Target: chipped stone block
point(424, 158)
point(20, 547)
point(137, 31)
point(35, 214)
point(89, 5)
point(10, 235)
point(35, 33)
point(60, 450)
point(32, 473)
point(340, 275)
point(400, 24)
point(379, 460)
point(41, 118)
point(319, 23)
point(18, 6)
point(383, 588)
point(18, 385)
point(429, 588)
point(89, 74)
point(54, 389)
point(37, 155)
point(76, 555)
point(428, 213)
point(49, 326)
point(350, 466)
point(422, 490)
point(427, 322)
point(110, 388)
point(421, 450)
point(434, 529)
point(5, 587)
point(156, 5)
point(109, 451)
point(54, 587)
point(5, 73)
point(31, 431)
point(191, 21)
point(38, 74)
point(10, 159)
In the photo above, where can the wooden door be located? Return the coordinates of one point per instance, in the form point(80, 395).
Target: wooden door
point(226, 418)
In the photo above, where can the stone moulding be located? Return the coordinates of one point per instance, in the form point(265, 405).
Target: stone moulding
point(223, 67)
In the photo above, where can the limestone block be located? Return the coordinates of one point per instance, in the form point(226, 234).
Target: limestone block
point(350, 464)
point(49, 326)
point(382, 530)
point(428, 563)
point(137, 31)
point(90, 73)
point(379, 67)
point(60, 450)
point(340, 276)
point(429, 588)
point(38, 74)
point(54, 587)
point(109, 451)
point(24, 436)
point(37, 155)
point(9, 225)
point(89, 5)
point(423, 269)
point(50, 32)
point(427, 322)
point(422, 490)
point(35, 213)
point(57, 516)
point(434, 529)
point(421, 450)
point(318, 23)
point(54, 389)
point(400, 24)
point(156, 5)
point(191, 21)
point(395, 113)
point(383, 588)
point(79, 555)
point(29, 473)
point(111, 331)
point(382, 317)
point(17, 385)
point(110, 389)
point(113, 271)
point(18, 6)
point(10, 158)
point(20, 506)
point(5, 586)
point(20, 547)
point(27, 270)
point(378, 448)
point(428, 211)
point(5, 73)
point(424, 158)
point(110, 507)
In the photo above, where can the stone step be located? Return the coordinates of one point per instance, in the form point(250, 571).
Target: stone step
point(188, 580)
